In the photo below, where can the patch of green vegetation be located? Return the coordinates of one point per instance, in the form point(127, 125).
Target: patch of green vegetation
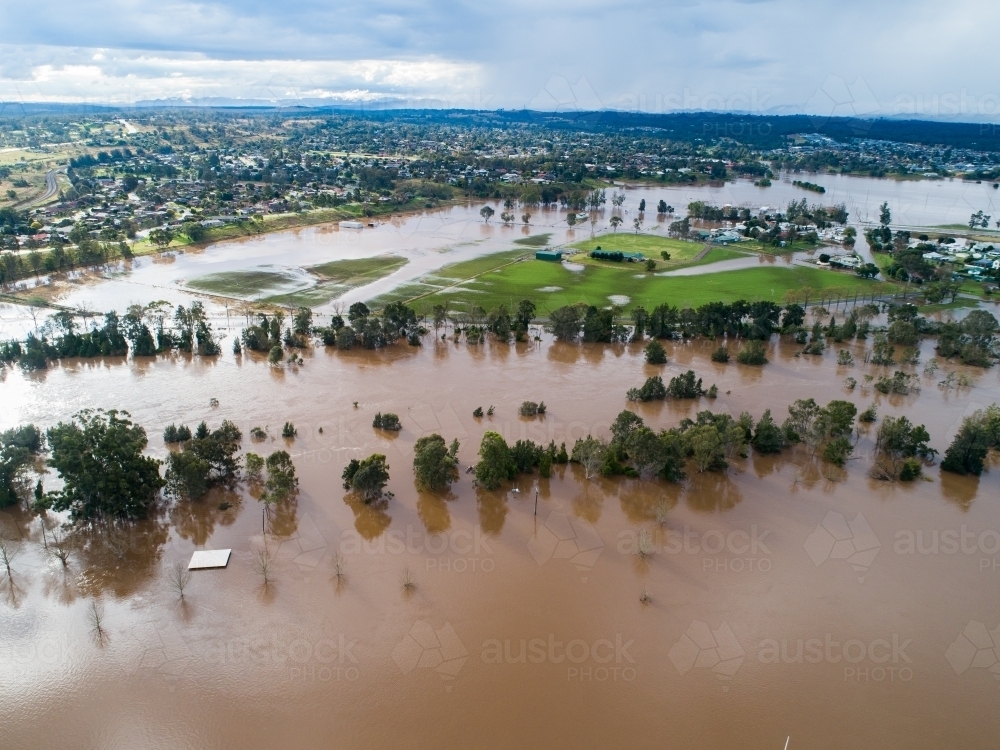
point(454, 274)
point(717, 254)
point(244, 284)
point(357, 271)
point(964, 229)
point(337, 276)
point(595, 284)
point(956, 305)
point(332, 280)
point(650, 245)
point(794, 247)
point(535, 240)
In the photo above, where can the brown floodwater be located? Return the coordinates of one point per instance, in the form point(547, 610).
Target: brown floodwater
point(784, 596)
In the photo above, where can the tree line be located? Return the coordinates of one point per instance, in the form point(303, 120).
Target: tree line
point(100, 459)
point(150, 330)
point(61, 338)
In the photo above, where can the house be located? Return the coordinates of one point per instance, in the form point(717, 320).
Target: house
point(846, 261)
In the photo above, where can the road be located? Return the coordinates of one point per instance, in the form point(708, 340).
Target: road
point(51, 189)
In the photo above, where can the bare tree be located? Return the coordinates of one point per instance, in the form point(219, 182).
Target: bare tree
point(96, 618)
point(8, 551)
point(339, 568)
point(263, 561)
point(180, 577)
point(408, 582)
point(58, 548)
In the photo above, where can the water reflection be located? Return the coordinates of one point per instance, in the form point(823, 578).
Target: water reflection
point(649, 500)
point(492, 507)
point(118, 557)
point(959, 490)
point(370, 519)
point(432, 508)
point(588, 501)
point(711, 491)
point(195, 520)
point(283, 520)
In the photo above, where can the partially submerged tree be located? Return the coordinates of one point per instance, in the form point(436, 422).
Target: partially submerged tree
point(207, 459)
point(281, 481)
point(18, 447)
point(898, 447)
point(655, 353)
point(979, 432)
point(652, 390)
point(495, 462)
point(435, 466)
point(367, 477)
point(99, 457)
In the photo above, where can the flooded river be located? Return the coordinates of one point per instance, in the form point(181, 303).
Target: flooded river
point(786, 598)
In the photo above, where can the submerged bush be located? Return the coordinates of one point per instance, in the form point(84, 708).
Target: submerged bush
point(655, 353)
point(652, 390)
point(721, 354)
point(387, 421)
point(685, 386)
point(174, 434)
point(754, 353)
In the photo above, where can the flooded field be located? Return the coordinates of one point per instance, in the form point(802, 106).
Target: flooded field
point(786, 597)
point(276, 265)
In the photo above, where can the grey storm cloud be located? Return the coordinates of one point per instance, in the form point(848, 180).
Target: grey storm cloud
point(782, 55)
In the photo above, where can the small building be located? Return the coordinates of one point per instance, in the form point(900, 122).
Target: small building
point(555, 255)
point(634, 257)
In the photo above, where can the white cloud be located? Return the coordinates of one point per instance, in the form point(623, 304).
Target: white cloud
point(124, 77)
point(672, 54)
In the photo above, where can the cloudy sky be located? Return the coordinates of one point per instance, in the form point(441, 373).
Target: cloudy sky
point(819, 56)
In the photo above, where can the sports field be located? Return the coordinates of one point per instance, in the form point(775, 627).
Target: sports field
point(496, 279)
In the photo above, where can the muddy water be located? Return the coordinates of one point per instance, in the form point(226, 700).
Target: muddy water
point(738, 574)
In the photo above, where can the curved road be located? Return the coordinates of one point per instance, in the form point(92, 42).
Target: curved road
point(51, 189)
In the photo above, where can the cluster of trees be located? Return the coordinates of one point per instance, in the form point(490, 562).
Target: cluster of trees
point(387, 421)
point(499, 462)
point(107, 341)
point(435, 464)
point(798, 212)
point(502, 323)
point(680, 386)
point(810, 186)
point(707, 442)
point(616, 256)
point(280, 481)
point(99, 456)
point(740, 319)
point(595, 324)
point(206, 459)
point(367, 330)
point(61, 337)
point(973, 340)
